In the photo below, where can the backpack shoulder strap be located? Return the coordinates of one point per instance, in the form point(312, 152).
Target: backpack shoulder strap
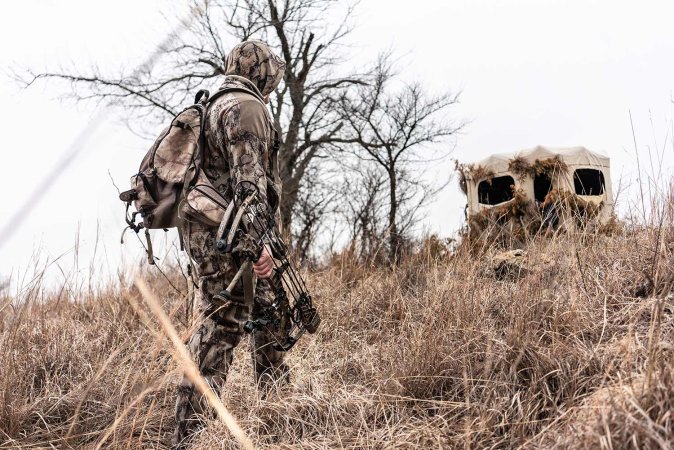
point(226, 90)
point(203, 100)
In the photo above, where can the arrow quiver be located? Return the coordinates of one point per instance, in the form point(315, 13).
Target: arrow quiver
point(244, 232)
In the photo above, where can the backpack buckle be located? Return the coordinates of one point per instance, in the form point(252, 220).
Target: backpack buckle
point(128, 196)
point(202, 93)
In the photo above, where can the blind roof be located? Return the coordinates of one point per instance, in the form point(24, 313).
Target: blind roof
point(572, 156)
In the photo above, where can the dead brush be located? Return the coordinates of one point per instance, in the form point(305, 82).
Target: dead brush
point(549, 166)
point(475, 171)
point(520, 167)
point(479, 172)
point(508, 225)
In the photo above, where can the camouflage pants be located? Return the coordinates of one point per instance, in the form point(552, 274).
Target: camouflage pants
point(216, 334)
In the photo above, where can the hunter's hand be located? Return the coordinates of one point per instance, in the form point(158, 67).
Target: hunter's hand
point(264, 265)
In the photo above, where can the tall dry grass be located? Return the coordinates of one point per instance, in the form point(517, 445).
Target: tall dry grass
point(441, 352)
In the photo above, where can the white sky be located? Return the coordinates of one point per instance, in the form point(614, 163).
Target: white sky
point(557, 73)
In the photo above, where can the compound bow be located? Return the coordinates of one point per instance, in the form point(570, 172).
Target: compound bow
point(252, 228)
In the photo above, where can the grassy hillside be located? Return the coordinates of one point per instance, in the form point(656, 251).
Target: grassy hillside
point(574, 351)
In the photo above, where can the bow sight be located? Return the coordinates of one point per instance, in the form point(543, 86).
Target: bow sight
point(252, 228)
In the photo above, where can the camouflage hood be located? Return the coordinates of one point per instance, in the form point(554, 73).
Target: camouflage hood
point(255, 61)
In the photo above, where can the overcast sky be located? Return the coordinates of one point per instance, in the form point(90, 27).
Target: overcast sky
point(557, 73)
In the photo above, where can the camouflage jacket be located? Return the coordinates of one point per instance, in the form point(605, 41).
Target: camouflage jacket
point(241, 139)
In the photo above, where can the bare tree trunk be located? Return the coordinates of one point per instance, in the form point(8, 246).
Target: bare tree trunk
point(288, 200)
point(288, 196)
point(394, 239)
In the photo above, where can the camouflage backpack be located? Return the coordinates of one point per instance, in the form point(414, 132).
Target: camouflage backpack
point(169, 184)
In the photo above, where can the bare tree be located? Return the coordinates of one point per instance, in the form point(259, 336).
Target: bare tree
point(363, 197)
point(391, 127)
point(314, 208)
point(303, 107)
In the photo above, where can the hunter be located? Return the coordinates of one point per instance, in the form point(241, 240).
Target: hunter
point(240, 151)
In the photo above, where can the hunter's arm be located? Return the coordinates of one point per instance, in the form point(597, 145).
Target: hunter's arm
point(247, 139)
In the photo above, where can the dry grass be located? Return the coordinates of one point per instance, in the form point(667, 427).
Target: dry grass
point(572, 203)
point(434, 353)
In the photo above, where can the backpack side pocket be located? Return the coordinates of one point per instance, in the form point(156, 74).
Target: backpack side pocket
point(155, 199)
point(204, 203)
